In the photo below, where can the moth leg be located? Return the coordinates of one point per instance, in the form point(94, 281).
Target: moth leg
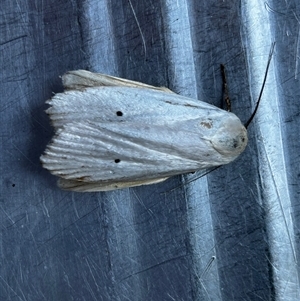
point(80, 79)
point(225, 89)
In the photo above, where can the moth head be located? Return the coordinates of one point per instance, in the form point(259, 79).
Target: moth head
point(231, 137)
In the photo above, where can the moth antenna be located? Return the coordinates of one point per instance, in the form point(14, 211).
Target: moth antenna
point(194, 179)
point(227, 101)
point(203, 175)
point(263, 86)
point(225, 88)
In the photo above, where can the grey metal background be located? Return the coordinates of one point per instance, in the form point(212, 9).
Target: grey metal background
point(233, 235)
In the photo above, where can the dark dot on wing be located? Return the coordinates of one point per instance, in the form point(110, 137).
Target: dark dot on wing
point(117, 160)
point(13, 185)
point(119, 113)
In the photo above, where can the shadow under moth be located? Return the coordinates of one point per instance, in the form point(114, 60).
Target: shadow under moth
point(113, 133)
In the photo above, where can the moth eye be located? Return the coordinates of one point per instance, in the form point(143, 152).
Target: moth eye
point(117, 160)
point(119, 113)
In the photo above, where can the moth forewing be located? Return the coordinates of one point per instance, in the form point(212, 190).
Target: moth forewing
point(79, 79)
point(123, 134)
point(101, 186)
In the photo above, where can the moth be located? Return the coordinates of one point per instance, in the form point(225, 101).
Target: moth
point(113, 133)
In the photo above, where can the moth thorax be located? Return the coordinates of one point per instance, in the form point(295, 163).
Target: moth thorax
point(231, 138)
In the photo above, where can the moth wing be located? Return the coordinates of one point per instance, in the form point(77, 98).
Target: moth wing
point(102, 186)
point(113, 153)
point(123, 104)
point(79, 79)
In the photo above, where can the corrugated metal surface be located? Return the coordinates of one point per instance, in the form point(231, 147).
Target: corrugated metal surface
point(233, 235)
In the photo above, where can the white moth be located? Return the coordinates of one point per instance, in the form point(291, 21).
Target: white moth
point(113, 133)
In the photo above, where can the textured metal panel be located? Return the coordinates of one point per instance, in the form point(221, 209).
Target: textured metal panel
point(233, 235)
